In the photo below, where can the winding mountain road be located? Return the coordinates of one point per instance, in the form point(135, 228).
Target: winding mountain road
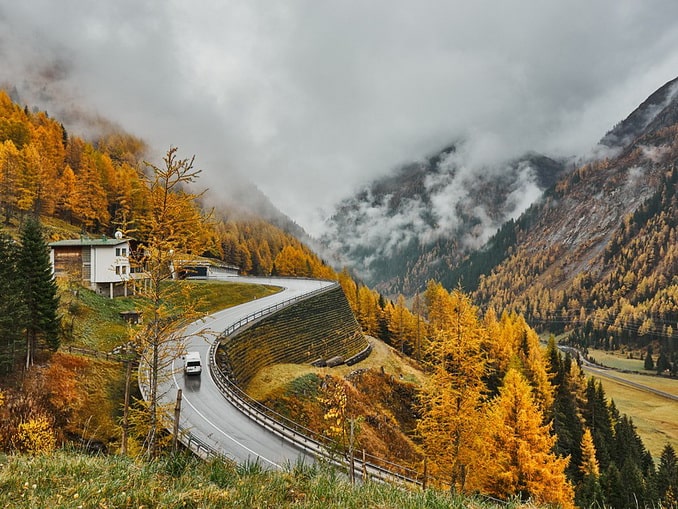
point(207, 418)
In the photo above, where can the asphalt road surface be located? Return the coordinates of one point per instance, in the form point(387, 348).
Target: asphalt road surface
point(205, 413)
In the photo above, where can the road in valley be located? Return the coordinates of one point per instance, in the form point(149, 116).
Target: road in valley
point(205, 413)
point(610, 374)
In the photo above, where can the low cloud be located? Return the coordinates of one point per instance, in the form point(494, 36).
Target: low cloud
point(312, 100)
point(457, 201)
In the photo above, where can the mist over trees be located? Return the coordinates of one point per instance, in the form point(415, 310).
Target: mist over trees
point(498, 414)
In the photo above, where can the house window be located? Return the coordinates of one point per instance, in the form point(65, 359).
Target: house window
point(124, 269)
point(123, 251)
point(117, 269)
point(117, 251)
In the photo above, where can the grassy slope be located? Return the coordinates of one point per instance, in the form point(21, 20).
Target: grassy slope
point(97, 323)
point(270, 379)
point(74, 480)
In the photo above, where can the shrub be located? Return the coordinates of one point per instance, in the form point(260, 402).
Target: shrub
point(35, 436)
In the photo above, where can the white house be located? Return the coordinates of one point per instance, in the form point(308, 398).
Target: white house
point(102, 263)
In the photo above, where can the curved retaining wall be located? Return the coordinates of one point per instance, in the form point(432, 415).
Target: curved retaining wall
point(316, 329)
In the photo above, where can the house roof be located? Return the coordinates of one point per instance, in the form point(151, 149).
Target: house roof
point(87, 241)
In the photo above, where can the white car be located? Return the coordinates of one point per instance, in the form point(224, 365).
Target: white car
point(192, 364)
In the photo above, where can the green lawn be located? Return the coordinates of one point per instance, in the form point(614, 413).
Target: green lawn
point(618, 360)
point(93, 321)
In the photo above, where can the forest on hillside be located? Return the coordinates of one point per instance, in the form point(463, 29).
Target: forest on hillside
point(497, 413)
point(98, 187)
point(626, 294)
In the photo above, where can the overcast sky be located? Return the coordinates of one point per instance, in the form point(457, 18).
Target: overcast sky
point(310, 99)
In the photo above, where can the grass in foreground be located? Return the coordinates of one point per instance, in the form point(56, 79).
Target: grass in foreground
point(68, 479)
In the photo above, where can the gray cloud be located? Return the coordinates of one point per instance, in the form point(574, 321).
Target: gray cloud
point(311, 99)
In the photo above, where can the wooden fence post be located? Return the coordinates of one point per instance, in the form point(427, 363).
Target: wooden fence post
point(425, 480)
point(177, 414)
point(125, 410)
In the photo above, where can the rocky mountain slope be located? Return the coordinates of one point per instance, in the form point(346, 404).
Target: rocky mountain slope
point(598, 253)
point(591, 246)
point(412, 226)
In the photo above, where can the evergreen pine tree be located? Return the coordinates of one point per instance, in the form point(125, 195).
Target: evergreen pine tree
point(663, 363)
point(649, 363)
point(599, 419)
point(613, 487)
point(12, 309)
point(634, 488)
point(629, 446)
point(39, 291)
point(567, 419)
point(667, 477)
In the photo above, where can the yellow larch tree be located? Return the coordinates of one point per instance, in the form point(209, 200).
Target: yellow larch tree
point(519, 457)
point(47, 140)
point(10, 167)
point(434, 299)
point(335, 399)
point(130, 200)
point(64, 192)
point(171, 236)
point(589, 492)
point(350, 289)
point(530, 356)
point(28, 177)
point(291, 261)
point(90, 205)
point(589, 463)
point(498, 349)
point(452, 397)
point(265, 258)
point(367, 310)
point(400, 323)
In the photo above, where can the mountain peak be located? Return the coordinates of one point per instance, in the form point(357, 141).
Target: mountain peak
point(659, 110)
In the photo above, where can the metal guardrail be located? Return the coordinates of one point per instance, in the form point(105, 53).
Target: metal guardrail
point(302, 437)
point(305, 438)
point(195, 444)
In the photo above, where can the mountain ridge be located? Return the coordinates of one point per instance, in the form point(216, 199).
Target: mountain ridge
point(598, 256)
point(426, 216)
